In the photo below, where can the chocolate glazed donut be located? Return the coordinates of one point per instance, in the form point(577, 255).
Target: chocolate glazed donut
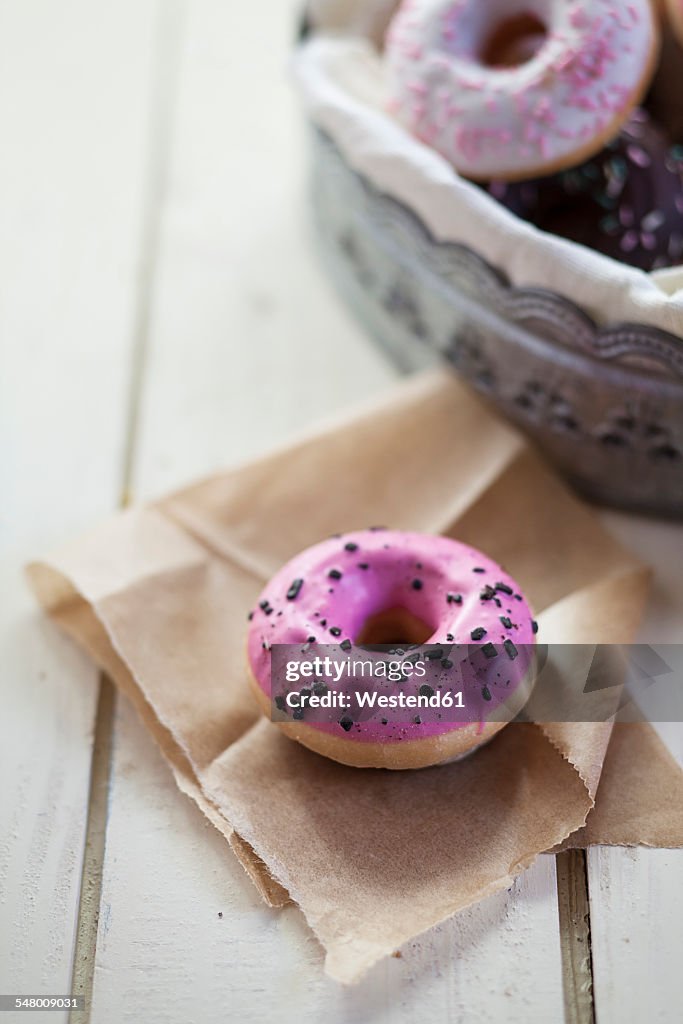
point(627, 202)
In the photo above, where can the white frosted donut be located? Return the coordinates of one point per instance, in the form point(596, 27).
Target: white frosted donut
point(513, 89)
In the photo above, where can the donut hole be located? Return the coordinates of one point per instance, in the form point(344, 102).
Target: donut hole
point(394, 626)
point(514, 41)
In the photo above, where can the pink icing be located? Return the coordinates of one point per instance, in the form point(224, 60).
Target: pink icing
point(513, 122)
point(453, 588)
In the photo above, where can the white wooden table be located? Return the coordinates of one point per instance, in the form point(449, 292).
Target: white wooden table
point(161, 314)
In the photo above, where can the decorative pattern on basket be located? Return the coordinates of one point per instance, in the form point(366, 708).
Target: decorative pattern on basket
point(605, 404)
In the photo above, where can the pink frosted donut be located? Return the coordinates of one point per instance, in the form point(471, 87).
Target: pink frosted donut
point(385, 587)
point(513, 89)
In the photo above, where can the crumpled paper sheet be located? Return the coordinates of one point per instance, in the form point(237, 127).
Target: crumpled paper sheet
point(159, 597)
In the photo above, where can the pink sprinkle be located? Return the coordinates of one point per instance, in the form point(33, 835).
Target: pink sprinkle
point(629, 241)
point(418, 87)
point(413, 51)
point(626, 216)
point(638, 156)
point(428, 133)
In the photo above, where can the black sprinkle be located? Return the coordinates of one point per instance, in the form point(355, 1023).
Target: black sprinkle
point(263, 605)
point(478, 569)
point(385, 721)
point(298, 713)
point(335, 630)
point(416, 584)
point(506, 622)
point(345, 645)
point(479, 633)
point(489, 651)
point(265, 645)
point(417, 720)
point(518, 597)
point(250, 616)
point(504, 588)
point(363, 565)
point(310, 639)
point(534, 626)
point(319, 688)
point(446, 663)
point(281, 703)
point(450, 637)
point(426, 690)
point(454, 598)
point(350, 546)
point(434, 655)
point(487, 593)
point(510, 649)
point(346, 723)
point(335, 574)
point(323, 622)
point(486, 693)
point(294, 589)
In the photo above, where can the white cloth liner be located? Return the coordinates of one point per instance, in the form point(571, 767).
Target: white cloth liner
point(341, 82)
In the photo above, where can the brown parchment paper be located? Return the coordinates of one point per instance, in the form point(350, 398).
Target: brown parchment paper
point(159, 596)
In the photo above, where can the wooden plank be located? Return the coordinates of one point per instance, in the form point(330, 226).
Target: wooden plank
point(636, 913)
point(249, 341)
point(636, 896)
point(72, 164)
point(248, 344)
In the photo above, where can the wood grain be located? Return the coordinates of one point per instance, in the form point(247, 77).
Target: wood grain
point(575, 937)
point(72, 164)
point(93, 856)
